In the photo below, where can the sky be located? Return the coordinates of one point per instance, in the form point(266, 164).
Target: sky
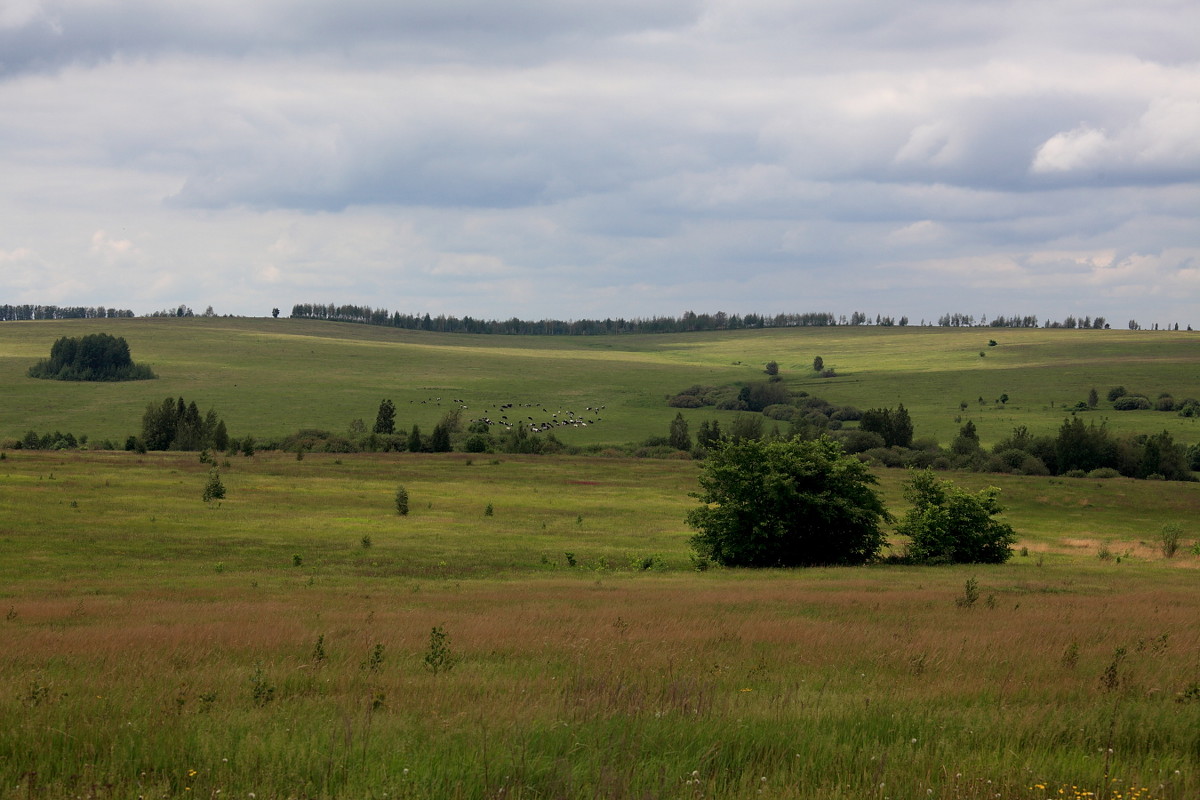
point(569, 159)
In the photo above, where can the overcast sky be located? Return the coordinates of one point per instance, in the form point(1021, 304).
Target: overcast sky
point(578, 159)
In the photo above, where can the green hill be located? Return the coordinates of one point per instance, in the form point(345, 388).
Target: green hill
point(269, 377)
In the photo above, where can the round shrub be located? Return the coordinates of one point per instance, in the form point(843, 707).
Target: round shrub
point(885, 456)
point(1131, 402)
point(1032, 465)
point(780, 412)
point(846, 414)
point(858, 441)
point(1104, 473)
point(685, 401)
point(1012, 457)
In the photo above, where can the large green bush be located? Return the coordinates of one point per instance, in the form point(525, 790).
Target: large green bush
point(949, 525)
point(786, 503)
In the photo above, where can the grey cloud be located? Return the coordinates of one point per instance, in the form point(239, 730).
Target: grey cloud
point(61, 32)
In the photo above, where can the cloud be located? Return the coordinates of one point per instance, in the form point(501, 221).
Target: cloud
point(548, 158)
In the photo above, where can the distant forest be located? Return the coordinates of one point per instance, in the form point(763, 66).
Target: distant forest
point(11, 313)
point(690, 321)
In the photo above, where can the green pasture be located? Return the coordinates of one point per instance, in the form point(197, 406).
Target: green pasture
point(269, 378)
point(279, 642)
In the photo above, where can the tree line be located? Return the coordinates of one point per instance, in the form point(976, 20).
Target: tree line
point(688, 322)
point(17, 313)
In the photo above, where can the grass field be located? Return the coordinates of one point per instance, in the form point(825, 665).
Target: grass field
point(277, 644)
point(269, 378)
point(284, 643)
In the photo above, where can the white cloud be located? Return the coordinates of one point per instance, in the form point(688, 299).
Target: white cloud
point(1081, 148)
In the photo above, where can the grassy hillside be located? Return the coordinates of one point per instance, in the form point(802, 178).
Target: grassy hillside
point(271, 377)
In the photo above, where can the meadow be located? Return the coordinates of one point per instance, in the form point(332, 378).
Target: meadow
point(271, 377)
point(534, 627)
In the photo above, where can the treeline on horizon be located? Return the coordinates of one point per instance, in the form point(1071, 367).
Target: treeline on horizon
point(17, 313)
point(688, 322)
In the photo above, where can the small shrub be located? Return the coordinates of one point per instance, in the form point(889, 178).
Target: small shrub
point(439, 657)
point(374, 660)
point(571, 562)
point(318, 651)
point(970, 594)
point(1168, 539)
point(489, 510)
point(213, 489)
point(1070, 656)
point(261, 690)
point(1110, 679)
point(365, 541)
point(646, 563)
point(297, 560)
point(402, 501)
point(1104, 473)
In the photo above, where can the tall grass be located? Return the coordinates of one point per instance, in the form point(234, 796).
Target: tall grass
point(157, 646)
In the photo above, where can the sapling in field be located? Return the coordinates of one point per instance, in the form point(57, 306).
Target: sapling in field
point(214, 489)
point(439, 657)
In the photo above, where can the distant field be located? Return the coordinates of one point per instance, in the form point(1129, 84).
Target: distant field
point(269, 378)
point(280, 643)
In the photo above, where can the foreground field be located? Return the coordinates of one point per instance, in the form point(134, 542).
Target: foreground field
point(286, 642)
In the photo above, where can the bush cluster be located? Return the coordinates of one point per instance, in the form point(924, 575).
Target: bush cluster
point(95, 357)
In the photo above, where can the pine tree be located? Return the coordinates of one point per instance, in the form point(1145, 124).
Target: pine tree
point(385, 420)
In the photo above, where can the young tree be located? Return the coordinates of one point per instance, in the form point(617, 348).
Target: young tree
point(439, 440)
point(948, 525)
point(679, 437)
point(709, 434)
point(818, 364)
point(214, 489)
point(772, 368)
point(415, 442)
point(385, 419)
point(786, 503)
point(1093, 398)
point(967, 441)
